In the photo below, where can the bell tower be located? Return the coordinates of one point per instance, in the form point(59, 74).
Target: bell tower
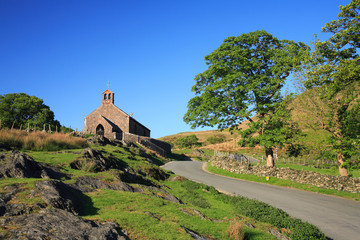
point(108, 97)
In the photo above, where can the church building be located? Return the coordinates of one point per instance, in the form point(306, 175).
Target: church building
point(111, 122)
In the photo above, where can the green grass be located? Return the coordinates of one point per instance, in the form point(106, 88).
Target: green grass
point(55, 158)
point(131, 214)
point(284, 183)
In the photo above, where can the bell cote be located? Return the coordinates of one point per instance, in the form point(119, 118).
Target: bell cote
point(108, 97)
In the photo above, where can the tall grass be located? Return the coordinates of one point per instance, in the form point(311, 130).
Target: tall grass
point(40, 141)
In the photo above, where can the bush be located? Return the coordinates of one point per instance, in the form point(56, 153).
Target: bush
point(187, 142)
point(214, 140)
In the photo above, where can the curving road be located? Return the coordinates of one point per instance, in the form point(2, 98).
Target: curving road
point(338, 218)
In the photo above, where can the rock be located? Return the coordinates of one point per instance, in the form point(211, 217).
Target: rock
point(60, 224)
point(98, 140)
point(155, 172)
point(93, 161)
point(20, 165)
point(177, 179)
point(198, 153)
point(60, 195)
point(129, 175)
point(152, 215)
point(278, 234)
point(194, 234)
point(160, 193)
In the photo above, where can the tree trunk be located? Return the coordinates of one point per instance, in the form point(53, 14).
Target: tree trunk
point(269, 157)
point(342, 171)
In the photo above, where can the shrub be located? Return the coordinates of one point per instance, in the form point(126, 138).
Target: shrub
point(187, 142)
point(214, 140)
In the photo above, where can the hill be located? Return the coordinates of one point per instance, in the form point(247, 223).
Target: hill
point(118, 191)
point(307, 110)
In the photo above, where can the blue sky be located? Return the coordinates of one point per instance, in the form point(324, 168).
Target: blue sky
point(66, 51)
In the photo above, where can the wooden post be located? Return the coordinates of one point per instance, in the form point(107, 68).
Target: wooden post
point(49, 128)
point(44, 128)
point(56, 129)
point(13, 124)
point(28, 128)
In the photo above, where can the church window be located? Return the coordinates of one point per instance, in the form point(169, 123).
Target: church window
point(109, 96)
point(105, 96)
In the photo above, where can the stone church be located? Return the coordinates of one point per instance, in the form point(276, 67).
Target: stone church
point(111, 122)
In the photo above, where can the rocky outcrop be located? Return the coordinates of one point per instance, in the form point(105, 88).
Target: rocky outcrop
point(161, 193)
point(154, 172)
point(93, 161)
point(20, 165)
point(59, 224)
point(348, 184)
point(60, 195)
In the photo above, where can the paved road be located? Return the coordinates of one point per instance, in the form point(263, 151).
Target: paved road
point(338, 218)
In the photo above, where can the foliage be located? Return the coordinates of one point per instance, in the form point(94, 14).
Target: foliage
point(244, 79)
point(187, 142)
point(19, 109)
point(214, 140)
point(334, 67)
point(40, 141)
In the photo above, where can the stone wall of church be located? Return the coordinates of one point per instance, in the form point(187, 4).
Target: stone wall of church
point(138, 129)
point(111, 113)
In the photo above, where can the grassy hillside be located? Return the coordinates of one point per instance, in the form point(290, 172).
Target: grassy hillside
point(161, 205)
point(307, 111)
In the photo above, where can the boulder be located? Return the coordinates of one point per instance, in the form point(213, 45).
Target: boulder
point(93, 161)
point(60, 195)
point(20, 165)
point(60, 224)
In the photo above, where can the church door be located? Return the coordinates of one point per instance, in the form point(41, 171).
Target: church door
point(100, 130)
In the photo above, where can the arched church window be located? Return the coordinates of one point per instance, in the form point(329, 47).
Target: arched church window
point(105, 96)
point(109, 96)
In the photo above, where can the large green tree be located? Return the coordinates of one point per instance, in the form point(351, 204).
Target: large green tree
point(243, 80)
point(335, 70)
point(19, 109)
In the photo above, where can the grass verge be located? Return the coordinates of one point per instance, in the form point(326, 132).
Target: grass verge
point(284, 183)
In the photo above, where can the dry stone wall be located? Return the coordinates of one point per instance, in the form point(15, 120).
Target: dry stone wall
point(348, 184)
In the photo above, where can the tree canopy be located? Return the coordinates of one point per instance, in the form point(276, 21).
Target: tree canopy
point(335, 69)
point(19, 109)
point(244, 79)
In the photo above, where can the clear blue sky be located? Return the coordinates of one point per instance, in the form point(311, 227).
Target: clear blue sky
point(66, 51)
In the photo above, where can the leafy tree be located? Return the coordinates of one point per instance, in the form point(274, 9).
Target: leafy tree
point(19, 109)
point(215, 139)
point(244, 79)
point(187, 141)
point(335, 70)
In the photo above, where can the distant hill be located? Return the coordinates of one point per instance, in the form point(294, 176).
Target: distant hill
point(305, 111)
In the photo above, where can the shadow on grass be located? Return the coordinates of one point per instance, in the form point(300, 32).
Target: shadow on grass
point(88, 206)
